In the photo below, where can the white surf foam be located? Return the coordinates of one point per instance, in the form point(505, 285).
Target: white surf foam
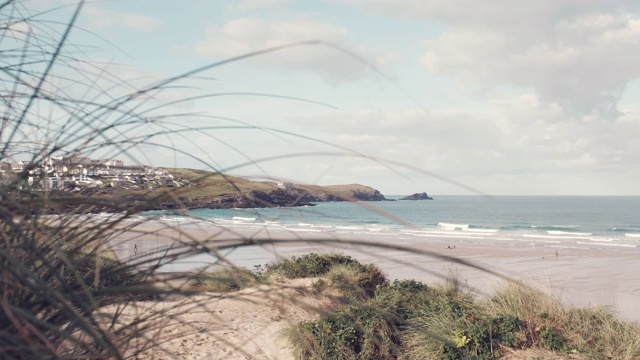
point(555, 232)
point(555, 237)
point(451, 226)
point(490, 231)
point(606, 244)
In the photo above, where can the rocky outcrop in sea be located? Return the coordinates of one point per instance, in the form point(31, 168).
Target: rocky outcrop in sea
point(418, 196)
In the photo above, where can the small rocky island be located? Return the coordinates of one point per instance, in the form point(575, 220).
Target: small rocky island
point(418, 196)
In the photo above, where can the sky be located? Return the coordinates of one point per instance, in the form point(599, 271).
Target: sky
point(495, 97)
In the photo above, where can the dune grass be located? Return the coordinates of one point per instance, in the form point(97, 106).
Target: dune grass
point(407, 319)
point(224, 280)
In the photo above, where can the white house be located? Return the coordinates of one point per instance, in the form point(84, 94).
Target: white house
point(20, 165)
point(112, 162)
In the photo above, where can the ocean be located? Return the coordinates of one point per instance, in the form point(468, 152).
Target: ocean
point(550, 221)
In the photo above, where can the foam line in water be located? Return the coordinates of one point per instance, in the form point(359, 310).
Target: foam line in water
point(447, 236)
point(606, 244)
point(601, 239)
point(491, 231)
point(447, 233)
point(350, 227)
point(556, 232)
point(304, 230)
point(554, 237)
point(453, 226)
point(244, 218)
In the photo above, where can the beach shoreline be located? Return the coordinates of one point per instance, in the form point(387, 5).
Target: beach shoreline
point(579, 277)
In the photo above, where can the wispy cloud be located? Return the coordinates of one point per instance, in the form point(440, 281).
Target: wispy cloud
point(243, 35)
point(105, 18)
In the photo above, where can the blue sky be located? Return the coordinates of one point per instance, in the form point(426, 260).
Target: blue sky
point(507, 97)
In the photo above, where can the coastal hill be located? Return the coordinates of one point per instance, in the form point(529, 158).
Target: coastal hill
point(211, 190)
point(200, 189)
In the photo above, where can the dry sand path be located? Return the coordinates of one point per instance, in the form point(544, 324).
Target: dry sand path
point(238, 325)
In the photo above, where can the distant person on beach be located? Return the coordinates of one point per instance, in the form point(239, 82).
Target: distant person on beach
point(135, 249)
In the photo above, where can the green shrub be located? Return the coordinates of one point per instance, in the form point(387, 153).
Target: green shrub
point(356, 281)
point(487, 334)
point(371, 277)
point(359, 331)
point(442, 336)
point(552, 339)
point(308, 265)
point(410, 299)
point(407, 298)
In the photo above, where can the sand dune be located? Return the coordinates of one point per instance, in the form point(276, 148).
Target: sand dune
point(239, 325)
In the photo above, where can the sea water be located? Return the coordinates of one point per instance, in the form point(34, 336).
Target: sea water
point(551, 221)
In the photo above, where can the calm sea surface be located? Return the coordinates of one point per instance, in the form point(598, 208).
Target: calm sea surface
point(556, 221)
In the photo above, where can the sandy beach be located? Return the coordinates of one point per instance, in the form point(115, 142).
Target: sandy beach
point(247, 323)
point(240, 325)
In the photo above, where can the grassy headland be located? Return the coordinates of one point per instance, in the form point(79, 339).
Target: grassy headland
point(197, 189)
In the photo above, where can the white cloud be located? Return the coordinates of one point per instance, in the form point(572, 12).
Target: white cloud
point(518, 135)
point(247, 34)
point(578, 67)
point(578, 54)
point(490, 13)
point(104, 18)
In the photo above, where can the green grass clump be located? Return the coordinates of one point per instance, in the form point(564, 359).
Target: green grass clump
point(594, 332)
point(442, 336)
point(224, 280)
point(411, 299)
point(55, 281)
point(309, 265)
point(358, 331)
point(356, 281)
point(446, 321)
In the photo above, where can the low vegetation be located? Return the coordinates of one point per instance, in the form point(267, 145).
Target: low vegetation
point(224, 280)
point(54, 281)
point(407, 319)
point(375, 318)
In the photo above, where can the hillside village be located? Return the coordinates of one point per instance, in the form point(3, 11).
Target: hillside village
point(120, 187)
point(75, 173)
